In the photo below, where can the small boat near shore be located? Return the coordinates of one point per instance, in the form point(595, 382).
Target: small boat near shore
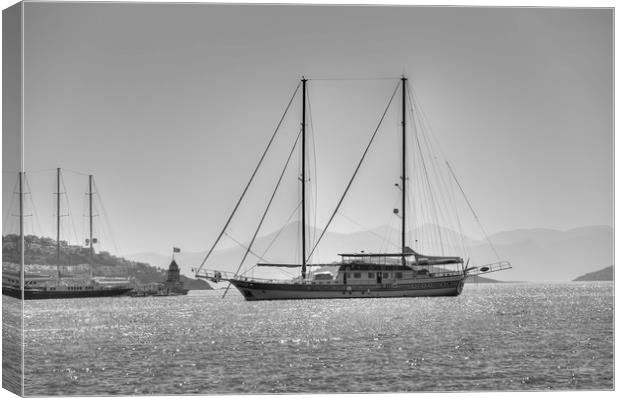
point(37, 286)
point(40, 286)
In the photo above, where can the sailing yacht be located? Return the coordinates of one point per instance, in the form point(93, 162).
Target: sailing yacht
point(405, 273)
point(44, 286)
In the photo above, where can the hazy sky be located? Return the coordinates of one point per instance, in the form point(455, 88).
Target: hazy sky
point(170, 106)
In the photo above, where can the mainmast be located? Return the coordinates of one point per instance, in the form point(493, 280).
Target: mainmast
point(90, 219)
point(58, 222)
point(22, 244)
point(303, 178)
point(404, 170)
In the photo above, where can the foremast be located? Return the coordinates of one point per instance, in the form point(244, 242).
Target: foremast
point(303, 178)
point(404, 170)
point(58, 222)
point(22, 243)
point(90, 225)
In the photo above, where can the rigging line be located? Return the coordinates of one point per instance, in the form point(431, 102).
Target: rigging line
point(448, 200)
point(430, 168)
point(84, 227)
point(280, 231)
point(436, 189)
point(458, 219)
point(424, 121)
point(52, 203)
point(382, 238)
point(409, 204)
point(387, 239)
point(33, 171)
point(244, 246)
point(106, 218)
point(472, 210)
point(273, 194)
point(430, 192)
point(431, 141)
point(278, 269)
point(248, 270)
point(372, 138)
point(286, 272)
point(426, 211)
point(315, 179)
point(34, 209)
point(353, 78)
point(76, 172)
point(260, 224)
point(245, 190)
point(71, 220)
point(8, 213)
point(418, 182)
point(299, 212)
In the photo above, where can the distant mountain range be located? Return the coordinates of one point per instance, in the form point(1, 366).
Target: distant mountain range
point(605, 274)
point(536, 254)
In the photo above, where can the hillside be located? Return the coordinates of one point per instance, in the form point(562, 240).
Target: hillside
point(535, 254)
point(605, 274)
point(40, 256)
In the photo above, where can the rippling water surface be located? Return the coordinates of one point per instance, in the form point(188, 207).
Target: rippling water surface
point(492, 337)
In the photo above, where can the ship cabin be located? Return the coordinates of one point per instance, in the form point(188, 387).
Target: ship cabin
point(374, 268)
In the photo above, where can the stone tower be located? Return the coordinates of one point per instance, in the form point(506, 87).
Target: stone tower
point(174, 275)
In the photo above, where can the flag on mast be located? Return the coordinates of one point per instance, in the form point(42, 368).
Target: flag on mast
point(176, 250)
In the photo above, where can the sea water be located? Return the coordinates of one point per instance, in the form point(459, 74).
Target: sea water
point(539, 336)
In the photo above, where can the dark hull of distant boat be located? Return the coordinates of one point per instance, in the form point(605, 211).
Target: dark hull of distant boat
point(176, 292)
point(63, 294)
point(254, 290)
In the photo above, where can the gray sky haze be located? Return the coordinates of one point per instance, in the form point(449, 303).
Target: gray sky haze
point(171, 105)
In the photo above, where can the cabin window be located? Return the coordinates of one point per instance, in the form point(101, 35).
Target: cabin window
point(386, 274)
point(371, 275)
point(357, 275)
point(399, 275)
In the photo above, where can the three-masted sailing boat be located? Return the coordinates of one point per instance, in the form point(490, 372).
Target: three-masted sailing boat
point(39, 286)
point(405, 273)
